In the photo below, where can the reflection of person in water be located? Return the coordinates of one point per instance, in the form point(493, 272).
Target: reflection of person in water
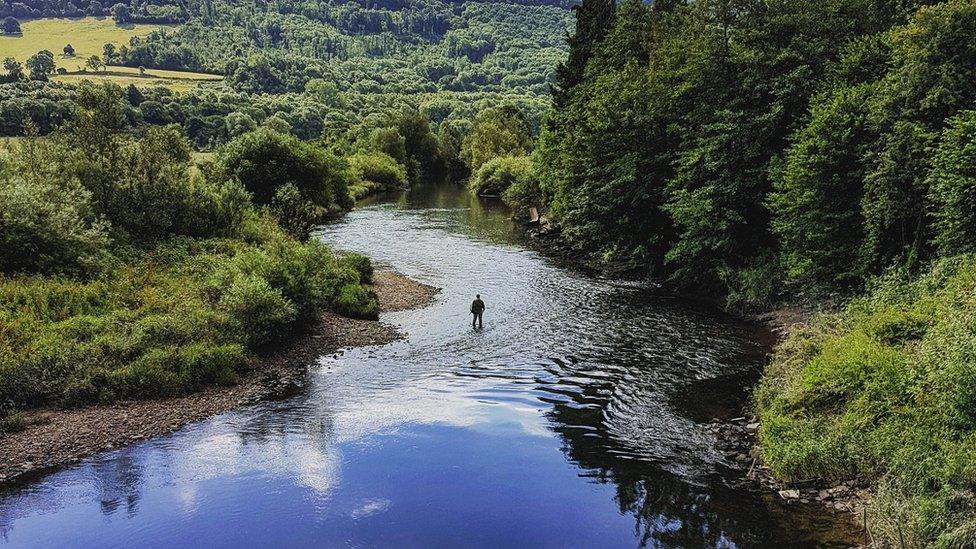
point(477, 309)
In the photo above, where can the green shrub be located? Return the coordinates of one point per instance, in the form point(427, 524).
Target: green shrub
point(48, 226)
point(885, 390)
point(295, 214)
point(356, 301)
point(374, 173)
point(264, 160)
point(524, 192)
point(261, 312)
point(754, 286)
point(155, 374)
point(204, 364)
point(361, 264)
point(13, 422)
point(495, 176)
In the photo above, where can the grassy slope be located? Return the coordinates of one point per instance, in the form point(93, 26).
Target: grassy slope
point(886, 390)
point(88, 35)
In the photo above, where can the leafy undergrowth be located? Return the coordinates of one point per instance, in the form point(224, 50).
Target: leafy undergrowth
point(171, 320)
point(886, 390)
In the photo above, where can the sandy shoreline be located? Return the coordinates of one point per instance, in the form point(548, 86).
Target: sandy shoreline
point(56, 437)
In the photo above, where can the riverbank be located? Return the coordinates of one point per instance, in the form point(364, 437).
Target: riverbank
point(57, 437)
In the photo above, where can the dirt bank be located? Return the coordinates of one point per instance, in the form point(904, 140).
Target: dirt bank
point(54, 438)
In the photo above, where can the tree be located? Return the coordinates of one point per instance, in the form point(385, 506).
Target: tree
point(15, 71)
point(11, 26)
point(389, 141)
point(593, 20)
point(264, 160)
point(818, 188)
point(133, 95)
point(69, 51)
point(94, 62)
point(952, 187)
point(239, 123)
point(423, 157)
point(109, 53)
point(496, 132)
point(40, 65)
point(47, 224)
point(121, 13)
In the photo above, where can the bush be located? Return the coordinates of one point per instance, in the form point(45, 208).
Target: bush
point(294, 214)
point(361, 264)
point(48, 226)
point(13, 422)
point(264, 160)
point(355, 301)
point(153, 195)
point(497, 175)
point(374, 173)
point(524, 193)
point(261, 312)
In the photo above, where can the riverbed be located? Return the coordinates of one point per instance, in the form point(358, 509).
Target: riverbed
point(575, 418)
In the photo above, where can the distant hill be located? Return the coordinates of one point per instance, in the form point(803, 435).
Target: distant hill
point(318, 65)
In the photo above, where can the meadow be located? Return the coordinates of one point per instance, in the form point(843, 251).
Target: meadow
point(88, 37)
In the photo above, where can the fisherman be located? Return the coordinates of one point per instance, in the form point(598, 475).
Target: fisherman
point(477, 309)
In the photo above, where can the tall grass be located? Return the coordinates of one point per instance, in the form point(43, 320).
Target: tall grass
point(167, 321)
point(886, 391)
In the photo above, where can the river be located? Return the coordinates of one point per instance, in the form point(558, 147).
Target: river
point(573, 419)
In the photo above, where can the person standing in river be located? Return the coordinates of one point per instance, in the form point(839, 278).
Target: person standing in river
point(477, 309)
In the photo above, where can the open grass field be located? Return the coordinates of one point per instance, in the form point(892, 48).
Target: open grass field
point(88, 36)
point(123, 76)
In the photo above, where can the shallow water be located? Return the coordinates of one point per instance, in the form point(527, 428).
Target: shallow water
point(570, 420)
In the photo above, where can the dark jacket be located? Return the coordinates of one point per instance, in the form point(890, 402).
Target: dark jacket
point(477, 306)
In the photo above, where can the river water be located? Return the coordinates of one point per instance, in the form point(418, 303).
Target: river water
point(571, 420)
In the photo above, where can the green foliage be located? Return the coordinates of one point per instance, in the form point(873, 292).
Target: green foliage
point(374, 173)
point(360, 264)
point(262, 312)
point(294, 213)
point(13, 423)
point(816, 201)
point(355, 301)
point(10, 25)
point(422, 153)
point(885, 390)
point(698, 141)
point(494, 133)
point(40, 65)
point(592, 22)
point(194, 284)
point(264, 160)
point(524, 192)
point(47, 223)
point(182, 316)
point(496, 176)
point(952, 186)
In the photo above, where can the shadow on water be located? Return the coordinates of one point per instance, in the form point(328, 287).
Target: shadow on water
point(572, 419)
